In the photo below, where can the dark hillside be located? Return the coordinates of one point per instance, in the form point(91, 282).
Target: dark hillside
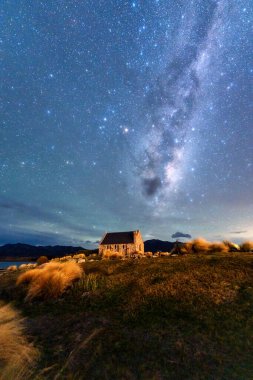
point(26, 250)
point(186, 317)
point(156, 245)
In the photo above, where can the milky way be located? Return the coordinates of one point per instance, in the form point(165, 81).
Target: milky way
point(174, 97)
point(119, 115)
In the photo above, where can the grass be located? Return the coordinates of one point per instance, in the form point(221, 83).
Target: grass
point(49, 280)
point(17, 355)
point(167, 318)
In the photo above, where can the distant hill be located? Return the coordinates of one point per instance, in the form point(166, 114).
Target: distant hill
point(30, 251)
point(155, 245)
point(27, 250)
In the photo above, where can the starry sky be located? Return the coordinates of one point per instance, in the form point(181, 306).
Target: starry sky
point(122, 115)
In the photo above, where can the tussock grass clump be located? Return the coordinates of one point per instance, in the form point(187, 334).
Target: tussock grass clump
point(79, 256)
point(218, 247)
point(247, 246)
point(111, 255)
point(17, 355)
point(50, 280)
point(89, 283)
point(201, 245)
point(27, 266)
point(42, 260)
point(12, 268)
point(232, 247)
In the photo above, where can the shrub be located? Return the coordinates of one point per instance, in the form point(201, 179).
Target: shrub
point(42, 260)
point(116, 255)
point(165, 254)
point(51, 280)
point(12, 268)
point(27, 266)
point(66, 258)
point(81, 260)
point(17, 355)
point(111, 255)
point(247, 246)
point(232, 246)
point(79, 256)
point(218, 247)
point(201, 245)
point(22, 266)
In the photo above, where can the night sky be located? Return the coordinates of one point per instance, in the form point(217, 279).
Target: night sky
point(121, 115)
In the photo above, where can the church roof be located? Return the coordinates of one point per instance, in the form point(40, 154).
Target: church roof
point(118, 238)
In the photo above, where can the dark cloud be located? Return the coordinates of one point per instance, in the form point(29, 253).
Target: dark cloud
point(27, 212)
point(238, 232)
point(90, 244)
point(150, 186)
point(177, 235)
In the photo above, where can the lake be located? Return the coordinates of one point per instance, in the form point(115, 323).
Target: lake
point(6, 264)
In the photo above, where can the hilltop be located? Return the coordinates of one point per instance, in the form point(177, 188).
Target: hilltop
point(187, 317)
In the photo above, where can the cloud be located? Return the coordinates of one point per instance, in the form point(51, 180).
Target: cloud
point(151, 185)
point(91, 242)
point(238, 232)
point(180, 235)
point(41, 225)
point(88, 244)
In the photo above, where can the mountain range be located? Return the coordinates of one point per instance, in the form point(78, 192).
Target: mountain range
point(30, 251)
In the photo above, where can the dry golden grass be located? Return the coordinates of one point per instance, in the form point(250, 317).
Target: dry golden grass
point(17, 355)
point(12, 268)
point(50, 280)
point(201, 245)
point(247, 246)
point(218, 247)
point(111, 255)
point(186, 317)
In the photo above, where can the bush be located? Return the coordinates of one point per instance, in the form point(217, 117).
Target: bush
point(218, 247)
point(247, 246)
point(111, 255)
point(42, 260)
point(79, 256)
point(66, 258)
point(12, 268)
point(201, 245)
point(17, 355)
point(51, 280)
point(27, 266)
point(232, 246)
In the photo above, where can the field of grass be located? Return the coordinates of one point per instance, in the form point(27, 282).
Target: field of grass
point(187, 317)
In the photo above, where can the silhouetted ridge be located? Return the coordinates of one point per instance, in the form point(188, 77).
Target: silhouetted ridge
point(155, 245)
point(27, 250)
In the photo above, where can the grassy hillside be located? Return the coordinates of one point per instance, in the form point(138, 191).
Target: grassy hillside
point(174, 318)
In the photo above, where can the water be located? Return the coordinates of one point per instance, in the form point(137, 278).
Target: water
point(6, 264)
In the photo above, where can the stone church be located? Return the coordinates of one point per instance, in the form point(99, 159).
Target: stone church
point(125, 243)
